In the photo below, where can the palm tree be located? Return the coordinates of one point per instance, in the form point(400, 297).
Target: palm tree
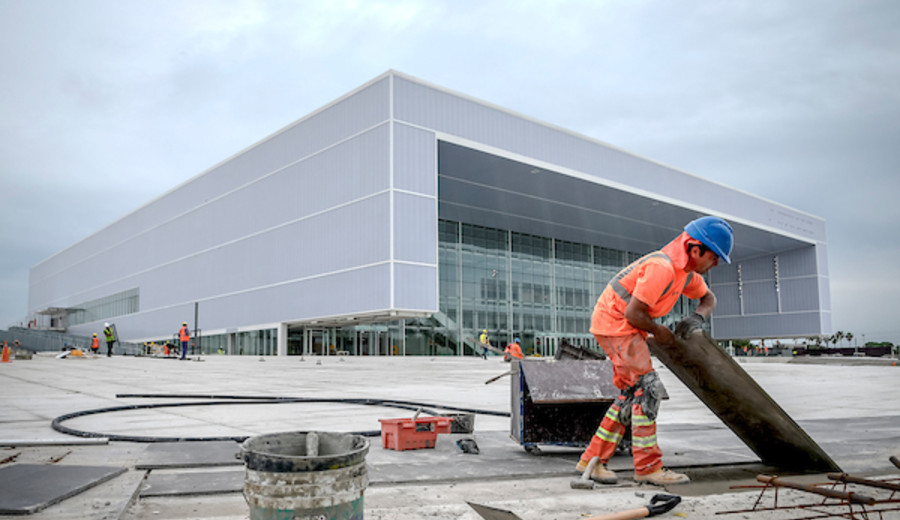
point(838, 336)
point(849, 337)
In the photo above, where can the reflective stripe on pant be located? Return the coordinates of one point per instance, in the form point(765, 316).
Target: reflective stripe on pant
point(646, 452)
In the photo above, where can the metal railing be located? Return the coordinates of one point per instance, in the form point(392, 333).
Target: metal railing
point(37, 340)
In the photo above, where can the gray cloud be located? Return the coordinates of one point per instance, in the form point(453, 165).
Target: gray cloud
point(106, 105)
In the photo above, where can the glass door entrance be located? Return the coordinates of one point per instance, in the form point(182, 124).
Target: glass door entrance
point(375, 342)
point(368, 341)
point(545, 346)
point(314, 342)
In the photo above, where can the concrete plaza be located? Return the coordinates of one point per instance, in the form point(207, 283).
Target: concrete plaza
point(850, 406)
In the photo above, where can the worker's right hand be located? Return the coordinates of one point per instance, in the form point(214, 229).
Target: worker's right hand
point(663, 335)
point(688, 325)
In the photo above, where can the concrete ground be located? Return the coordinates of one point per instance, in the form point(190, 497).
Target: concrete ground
point(851, 407)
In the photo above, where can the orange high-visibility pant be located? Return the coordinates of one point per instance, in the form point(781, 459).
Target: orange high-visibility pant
point(630, 357)
point(644, 449)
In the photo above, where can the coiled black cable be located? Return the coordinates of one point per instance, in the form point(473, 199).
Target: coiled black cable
point(238, 399)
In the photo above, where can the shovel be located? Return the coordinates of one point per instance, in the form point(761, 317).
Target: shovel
point(659, 504)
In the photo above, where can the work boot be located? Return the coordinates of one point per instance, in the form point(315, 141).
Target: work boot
point(600, 473)
point(663, 477)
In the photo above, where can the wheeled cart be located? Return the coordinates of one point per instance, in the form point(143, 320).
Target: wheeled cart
point(558, 402)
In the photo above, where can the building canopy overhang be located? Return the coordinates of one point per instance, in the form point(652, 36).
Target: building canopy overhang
point(485, 189)
point(56, 311)
point(358, 319)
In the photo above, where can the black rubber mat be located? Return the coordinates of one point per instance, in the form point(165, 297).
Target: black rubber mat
point(28, 488)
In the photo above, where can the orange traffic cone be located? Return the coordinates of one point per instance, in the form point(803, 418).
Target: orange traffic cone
point(5, 358)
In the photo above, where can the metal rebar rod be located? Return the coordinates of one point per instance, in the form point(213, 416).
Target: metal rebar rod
point(850, 479)
point(830, 493)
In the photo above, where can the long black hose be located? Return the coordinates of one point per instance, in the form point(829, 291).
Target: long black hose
point(238, 399)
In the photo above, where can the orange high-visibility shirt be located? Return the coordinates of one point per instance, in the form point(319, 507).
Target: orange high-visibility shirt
point(95, 343)
point(185, 335)
point(514, 350)
point(655, 279)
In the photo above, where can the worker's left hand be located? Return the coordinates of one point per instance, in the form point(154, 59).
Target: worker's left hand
point(688, 325)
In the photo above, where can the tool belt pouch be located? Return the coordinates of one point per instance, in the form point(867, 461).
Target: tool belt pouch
point(653, 393)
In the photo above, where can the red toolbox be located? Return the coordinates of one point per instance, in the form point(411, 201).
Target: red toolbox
point(412, 434)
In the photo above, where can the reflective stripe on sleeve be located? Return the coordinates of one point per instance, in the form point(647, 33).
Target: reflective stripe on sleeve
point(623, 293)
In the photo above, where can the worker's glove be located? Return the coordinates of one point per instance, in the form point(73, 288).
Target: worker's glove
point(688, 325)
point(662, 503)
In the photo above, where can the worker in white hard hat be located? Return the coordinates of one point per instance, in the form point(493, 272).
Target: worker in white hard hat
point(110, 336)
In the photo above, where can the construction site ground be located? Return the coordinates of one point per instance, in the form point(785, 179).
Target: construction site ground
point(850, 406)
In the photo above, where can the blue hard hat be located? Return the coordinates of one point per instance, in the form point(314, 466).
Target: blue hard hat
point(714, 233)
point(517, 340)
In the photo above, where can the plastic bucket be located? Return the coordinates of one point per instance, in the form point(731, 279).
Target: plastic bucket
point(305, 476)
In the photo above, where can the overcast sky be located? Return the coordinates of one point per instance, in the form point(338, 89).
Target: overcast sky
point(105, 105)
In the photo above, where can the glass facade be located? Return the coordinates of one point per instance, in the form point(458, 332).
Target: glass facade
point(263, 342)
point(515, 285)
point(119, 304)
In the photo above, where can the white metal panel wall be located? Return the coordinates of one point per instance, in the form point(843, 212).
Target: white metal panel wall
point(416, 288)
point(231, 221)
point(763, 301)
point(262, 232)
point(331, 241)
point(415, 219)
point(415, 224)
point(824, 287)
point(415, 239)
point(355, 291)
point(767, 326)
point(415, 160)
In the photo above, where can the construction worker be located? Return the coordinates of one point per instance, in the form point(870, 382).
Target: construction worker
point(514, 349)
point(110, 336)
point(621, 321)
point(185, 337)
point(95, 344)
point(485, 343)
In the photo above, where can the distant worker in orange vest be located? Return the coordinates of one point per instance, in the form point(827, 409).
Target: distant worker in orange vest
point(514, 349)
point(185, 337)
point(623, 318)
point(95, 345)
point(110, 338)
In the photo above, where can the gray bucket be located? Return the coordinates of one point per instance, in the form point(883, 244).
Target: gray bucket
point(305, 476)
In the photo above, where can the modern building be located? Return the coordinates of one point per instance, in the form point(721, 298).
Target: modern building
point(404, 218)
